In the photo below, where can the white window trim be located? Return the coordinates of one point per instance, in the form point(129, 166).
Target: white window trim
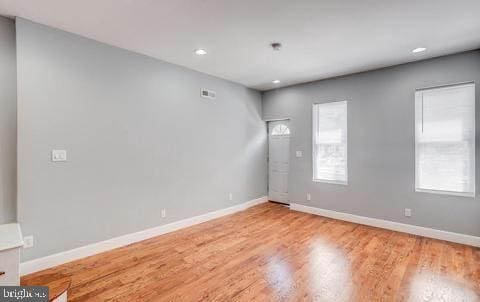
point(444, 192)
point(440, 192)
point(335, 182)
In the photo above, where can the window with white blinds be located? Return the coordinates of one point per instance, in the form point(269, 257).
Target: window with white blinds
point(445, 140)
point(330, 142)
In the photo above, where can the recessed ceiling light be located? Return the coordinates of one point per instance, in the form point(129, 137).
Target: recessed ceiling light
point(419, 49)
point(200, 51)
point(276, 81)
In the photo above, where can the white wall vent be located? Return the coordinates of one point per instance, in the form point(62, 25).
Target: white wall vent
point(210, 94)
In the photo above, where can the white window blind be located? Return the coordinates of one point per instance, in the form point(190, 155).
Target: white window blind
point(330, 142)
point(445, 140)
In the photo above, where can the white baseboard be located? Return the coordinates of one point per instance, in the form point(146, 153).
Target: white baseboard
point(390, 225)
point(39, 264)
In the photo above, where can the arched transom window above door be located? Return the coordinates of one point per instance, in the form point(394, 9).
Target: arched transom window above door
point(281, 129)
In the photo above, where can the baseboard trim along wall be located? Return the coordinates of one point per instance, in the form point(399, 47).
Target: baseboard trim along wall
point(390, 225)
point(39, 264)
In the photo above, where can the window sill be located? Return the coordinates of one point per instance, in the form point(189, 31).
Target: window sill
point(471, 195)
point(334, 182)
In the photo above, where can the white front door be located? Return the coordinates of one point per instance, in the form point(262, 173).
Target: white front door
point(278, 154)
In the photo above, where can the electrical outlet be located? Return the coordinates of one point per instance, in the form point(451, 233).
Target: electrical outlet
point(298, 153)
point(408, 212)
point(164, 213)
point(230, 196)
point(27, 242)
point(59, 155)
point(309, 197)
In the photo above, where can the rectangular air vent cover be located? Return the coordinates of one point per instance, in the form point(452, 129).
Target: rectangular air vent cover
point(205, 93)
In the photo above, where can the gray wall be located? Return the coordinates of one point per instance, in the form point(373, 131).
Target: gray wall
point(380, 143)
point(8, 122)
point(139, 139)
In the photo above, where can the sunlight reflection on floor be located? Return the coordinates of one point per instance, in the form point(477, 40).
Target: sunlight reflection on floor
point(434, 287)
point(330, 274)
point(279, 276)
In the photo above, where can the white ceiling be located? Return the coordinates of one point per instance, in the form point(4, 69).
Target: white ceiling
point(321, 38)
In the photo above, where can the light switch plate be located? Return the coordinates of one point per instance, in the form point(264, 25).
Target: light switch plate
point(59, 155)
point(309, 197)
point(299, 154)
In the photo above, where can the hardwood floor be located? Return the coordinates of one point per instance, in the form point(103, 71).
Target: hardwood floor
point(269, 253)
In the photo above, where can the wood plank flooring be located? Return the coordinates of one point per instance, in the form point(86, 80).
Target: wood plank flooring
point(270, 253)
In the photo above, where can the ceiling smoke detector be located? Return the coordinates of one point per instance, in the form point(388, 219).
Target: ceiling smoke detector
point(276, 46)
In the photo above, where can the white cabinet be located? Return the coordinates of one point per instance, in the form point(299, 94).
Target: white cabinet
point(10, 244)
point(9, 265)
